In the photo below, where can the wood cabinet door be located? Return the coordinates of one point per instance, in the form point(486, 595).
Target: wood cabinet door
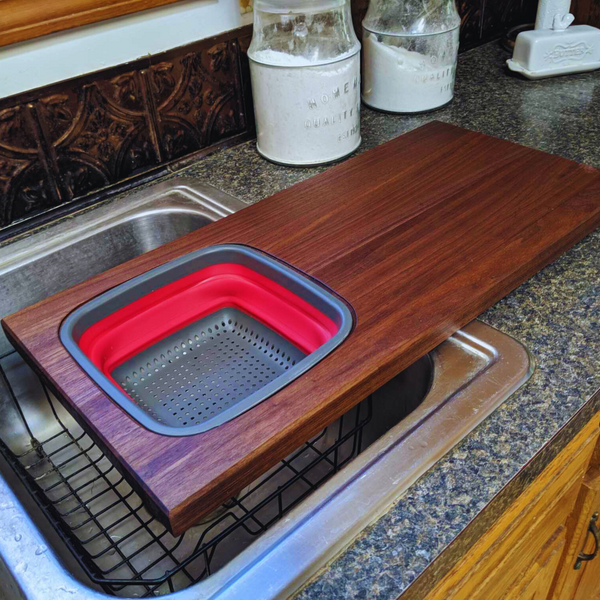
point(589, 585)
point(535, 582)
point(584, 583)
point(518, 556)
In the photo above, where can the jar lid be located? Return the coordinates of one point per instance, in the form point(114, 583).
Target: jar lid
point(411, 17)
point(296, 6)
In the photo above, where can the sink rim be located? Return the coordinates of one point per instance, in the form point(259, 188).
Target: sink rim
point(184, 194)
point(366, 480)
point(46, 577)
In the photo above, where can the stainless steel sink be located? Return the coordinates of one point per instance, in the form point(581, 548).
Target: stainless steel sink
point(72, 527)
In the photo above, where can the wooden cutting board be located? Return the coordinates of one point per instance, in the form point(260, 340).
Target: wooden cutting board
point(419, 235)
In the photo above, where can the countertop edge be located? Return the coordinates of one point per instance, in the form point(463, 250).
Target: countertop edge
point(461, 545)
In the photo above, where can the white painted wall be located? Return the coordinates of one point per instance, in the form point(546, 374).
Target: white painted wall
point(64, 55)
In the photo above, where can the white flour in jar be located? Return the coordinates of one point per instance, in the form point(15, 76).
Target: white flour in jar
point(398, 80)
point(305, 113)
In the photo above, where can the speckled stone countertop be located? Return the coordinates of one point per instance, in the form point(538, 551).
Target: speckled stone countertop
point(555, 314)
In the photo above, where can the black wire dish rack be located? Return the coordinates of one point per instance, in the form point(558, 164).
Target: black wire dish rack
point(104, 523)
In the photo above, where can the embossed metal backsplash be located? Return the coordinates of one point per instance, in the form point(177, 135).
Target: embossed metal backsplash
point(78, 141)
point(105, 132)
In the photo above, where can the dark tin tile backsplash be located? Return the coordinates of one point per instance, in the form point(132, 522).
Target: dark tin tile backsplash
point(80, 140)
point(102, 132)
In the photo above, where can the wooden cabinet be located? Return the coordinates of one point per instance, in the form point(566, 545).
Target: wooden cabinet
point(582, 583)
point(530, 552)
point(588, 587)
point(536, 580)
point(26, 19)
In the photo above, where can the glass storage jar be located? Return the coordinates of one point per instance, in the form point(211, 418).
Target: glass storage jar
point(410, 49)
point(305, 70)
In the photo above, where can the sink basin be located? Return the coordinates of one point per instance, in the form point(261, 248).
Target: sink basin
point(62, 254)
point(72, 527)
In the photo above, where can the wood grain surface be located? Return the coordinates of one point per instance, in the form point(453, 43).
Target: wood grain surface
point(26, 19)
point(509, 555)
point(419, 235)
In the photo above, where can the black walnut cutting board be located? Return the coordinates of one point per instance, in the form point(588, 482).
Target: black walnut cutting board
point(419, 235)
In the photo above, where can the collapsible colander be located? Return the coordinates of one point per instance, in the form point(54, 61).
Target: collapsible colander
point(196, 342)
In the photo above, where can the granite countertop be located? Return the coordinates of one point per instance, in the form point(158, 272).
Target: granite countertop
point(555, 314)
